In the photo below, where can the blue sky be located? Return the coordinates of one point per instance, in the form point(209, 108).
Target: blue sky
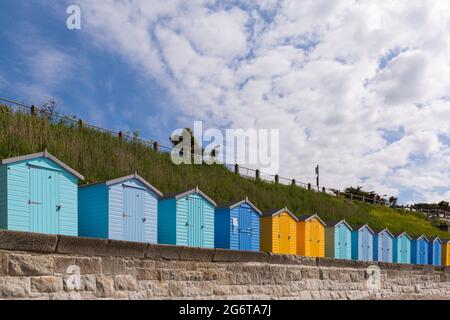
point(368, 104)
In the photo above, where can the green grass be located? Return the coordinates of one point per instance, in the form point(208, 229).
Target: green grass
point(100, 156)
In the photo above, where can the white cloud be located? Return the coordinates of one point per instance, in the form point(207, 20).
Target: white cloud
point(330, 74)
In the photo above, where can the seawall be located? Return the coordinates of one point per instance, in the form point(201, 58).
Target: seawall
point(34, 266)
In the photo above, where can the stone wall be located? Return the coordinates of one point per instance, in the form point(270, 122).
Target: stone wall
point(36, 266)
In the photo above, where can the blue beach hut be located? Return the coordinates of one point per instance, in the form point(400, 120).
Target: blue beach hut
point(383, 246)
point(237, 226)
point(435, 252)
point(186, 219)
point(362, 243)
point(419, 250)
point(39, 193)
point(338, 240)
point(402, 248)
point(121, 209)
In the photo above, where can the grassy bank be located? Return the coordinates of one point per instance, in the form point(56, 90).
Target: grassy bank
point(100, 156)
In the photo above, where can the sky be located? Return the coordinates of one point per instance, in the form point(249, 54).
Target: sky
point(360, 87)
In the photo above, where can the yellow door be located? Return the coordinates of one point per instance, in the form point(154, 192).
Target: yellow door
point(446, 254)
point(317, 241)
point(284, 236)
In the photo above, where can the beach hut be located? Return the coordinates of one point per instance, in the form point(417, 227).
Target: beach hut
point(402, 248)
point(237, 226)
point(435, 252)
point(279, 231)
point(121, 209)
point(338, 240)
point(311, 236)
point(383, 249)
point(446, 252)
point(362, 243)
point(39, 193)
point(419, 250)
point(186, 219)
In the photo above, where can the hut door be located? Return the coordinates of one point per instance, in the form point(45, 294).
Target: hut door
point(245, 229)
point(315, 239)
point(134, 219)
point(405, 249)
point(195, 222)
point(342, 242)
point(285, 234)
point(365, 245)
point(436, 253)
point(384, 247)
point(43, 202)
point(423, 252)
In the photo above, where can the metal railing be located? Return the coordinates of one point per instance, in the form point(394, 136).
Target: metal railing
point(248, 173)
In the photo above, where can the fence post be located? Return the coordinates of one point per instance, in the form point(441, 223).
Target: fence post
point(294, 183)
point(351, 196)
point(33, 110)
point(236, 169)
point(120, 135)
point(257, 175)
point(80, 123)
point(309, 186)
point(156, 146)
point(277, 179)
point(324, 190)
point(363, 199)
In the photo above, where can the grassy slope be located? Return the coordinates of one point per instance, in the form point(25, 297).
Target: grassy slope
point(100, 156)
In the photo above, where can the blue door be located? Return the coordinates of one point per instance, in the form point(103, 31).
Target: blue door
point(134, 217)
point(437, 253)
point(245, 229)
point(366, 247)
point(386, 248)
point(423, 253)
point(405, 248)
point(43, 202)
point(195, 222)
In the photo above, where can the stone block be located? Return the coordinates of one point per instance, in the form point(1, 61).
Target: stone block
point(30, 242)
point(89, 265)
point(14, 287)
point(161, 251)
point(46, 284)
point(115, 265)
point(104, 286)
point(30, 265)
point(125, 283)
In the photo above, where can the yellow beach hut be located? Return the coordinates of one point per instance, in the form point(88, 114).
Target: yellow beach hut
point(279, 231)
point(311, 236)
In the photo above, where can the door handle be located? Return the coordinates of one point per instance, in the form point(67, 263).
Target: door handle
point(33, 202)
point(144, 220)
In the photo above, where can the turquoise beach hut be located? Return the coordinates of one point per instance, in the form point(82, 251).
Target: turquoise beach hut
point(338, 240)
point(402, 248)
point(39, 193)
point(186, 219)
point(121, 209)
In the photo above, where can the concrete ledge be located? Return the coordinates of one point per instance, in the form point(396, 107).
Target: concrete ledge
point(41, 243)
point(287, 259)
point(222, 255)
point(82, 246)
point(23, 241)
point(126, 249)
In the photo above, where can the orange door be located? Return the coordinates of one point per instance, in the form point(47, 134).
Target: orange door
point(285, 234)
